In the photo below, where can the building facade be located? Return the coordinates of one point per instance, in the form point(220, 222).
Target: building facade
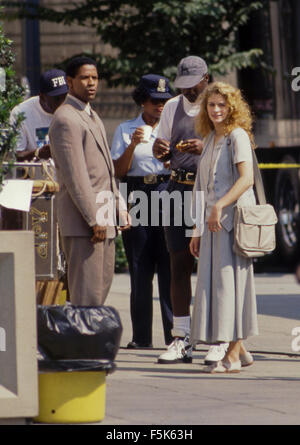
point(40, 46)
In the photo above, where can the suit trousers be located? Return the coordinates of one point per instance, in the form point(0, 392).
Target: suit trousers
point(90, 269)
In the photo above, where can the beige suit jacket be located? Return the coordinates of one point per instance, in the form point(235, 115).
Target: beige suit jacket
point(84, 168)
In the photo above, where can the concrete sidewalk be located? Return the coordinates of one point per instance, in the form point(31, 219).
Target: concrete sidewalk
point(142, 392)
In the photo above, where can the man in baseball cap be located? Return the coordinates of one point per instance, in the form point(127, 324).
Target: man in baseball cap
point(53, 83)
point(190, 71)
point(178, 142)
point(33, 140)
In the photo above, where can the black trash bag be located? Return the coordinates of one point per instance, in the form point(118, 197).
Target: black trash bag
point(76, 365)
point(78, 332)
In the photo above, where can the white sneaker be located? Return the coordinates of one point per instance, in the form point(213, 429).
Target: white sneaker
point(216, 353)
point(179, 351)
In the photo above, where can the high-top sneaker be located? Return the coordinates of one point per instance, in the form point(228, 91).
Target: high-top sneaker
point(179, 351)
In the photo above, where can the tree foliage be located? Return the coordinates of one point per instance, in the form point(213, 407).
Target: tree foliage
point(152, 35)
point(10, 95)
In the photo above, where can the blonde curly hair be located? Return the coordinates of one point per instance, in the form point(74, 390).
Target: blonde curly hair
point(239, 111)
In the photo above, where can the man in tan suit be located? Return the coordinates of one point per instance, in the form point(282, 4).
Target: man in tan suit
point(84, 169)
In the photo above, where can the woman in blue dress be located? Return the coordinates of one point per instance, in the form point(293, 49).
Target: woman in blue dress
point(225, 299)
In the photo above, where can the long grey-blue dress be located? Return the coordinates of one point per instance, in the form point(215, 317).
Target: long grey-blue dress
point(225, 300)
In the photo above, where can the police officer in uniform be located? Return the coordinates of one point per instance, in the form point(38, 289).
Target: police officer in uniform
point(144, 243)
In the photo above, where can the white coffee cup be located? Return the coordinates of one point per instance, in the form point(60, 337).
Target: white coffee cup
point(147, 133)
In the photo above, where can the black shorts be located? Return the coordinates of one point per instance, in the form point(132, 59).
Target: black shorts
point(178, 225)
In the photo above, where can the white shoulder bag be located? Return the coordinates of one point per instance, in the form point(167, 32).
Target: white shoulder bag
point(254, 225)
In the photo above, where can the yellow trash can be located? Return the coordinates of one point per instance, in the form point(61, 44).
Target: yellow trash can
point(76, 396)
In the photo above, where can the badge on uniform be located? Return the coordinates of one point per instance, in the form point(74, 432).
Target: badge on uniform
point(161, 86)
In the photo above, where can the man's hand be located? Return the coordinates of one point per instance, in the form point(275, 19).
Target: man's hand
point(161, 149)
point(193, 146)
point(124, 220)
point(29, 155)
point(195, 246)
point(99, 234)
point(44, 152)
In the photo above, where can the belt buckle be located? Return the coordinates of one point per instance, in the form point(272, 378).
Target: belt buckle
point(178, 174)
point(190, 176)
point(150, 179)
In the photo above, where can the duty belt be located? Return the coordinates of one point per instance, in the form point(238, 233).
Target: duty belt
point(148, 179)
point(183, 176)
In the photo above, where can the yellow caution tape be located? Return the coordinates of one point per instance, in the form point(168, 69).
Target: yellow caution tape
point(278, 166)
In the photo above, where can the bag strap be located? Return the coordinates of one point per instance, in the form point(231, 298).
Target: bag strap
point(258, 182)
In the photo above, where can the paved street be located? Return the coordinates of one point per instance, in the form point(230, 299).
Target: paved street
point(142, 392)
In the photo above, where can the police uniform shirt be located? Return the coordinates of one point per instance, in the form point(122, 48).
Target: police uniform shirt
point(143, 162)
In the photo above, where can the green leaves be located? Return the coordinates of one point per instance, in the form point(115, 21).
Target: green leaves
point(238, 61)
point(153, 35)
point(9, 97)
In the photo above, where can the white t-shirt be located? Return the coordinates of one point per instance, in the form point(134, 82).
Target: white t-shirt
point(168, 113)
point(34, 129)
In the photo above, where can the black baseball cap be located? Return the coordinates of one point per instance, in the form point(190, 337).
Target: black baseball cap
point(53, 82)
point(155, 86)
point(191, 70)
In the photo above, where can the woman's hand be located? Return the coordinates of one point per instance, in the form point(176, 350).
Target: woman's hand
point(195, 246)
point(137, 137)
point(124, 162)
point(213, 222)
